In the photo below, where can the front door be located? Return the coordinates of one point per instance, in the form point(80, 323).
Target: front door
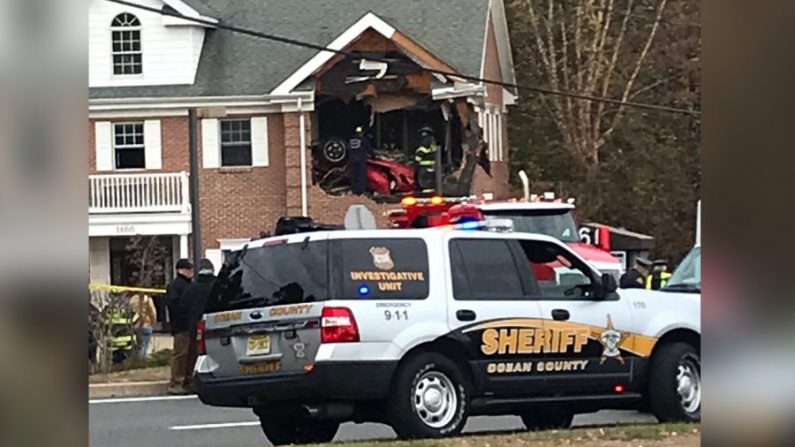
point(489, 311)
point(598, 354)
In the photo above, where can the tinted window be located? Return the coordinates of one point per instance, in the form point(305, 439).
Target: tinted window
point(555, 271)
point(484, 269)
point(383, 268)
point(277, 274)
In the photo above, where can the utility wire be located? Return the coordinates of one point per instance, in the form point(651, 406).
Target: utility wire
point(287, 40)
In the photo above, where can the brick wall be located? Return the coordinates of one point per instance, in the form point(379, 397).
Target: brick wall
point(491, 68)
point(241, 202)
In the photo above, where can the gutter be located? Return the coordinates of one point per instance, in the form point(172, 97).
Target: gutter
point(207, 101)
point(302, 139)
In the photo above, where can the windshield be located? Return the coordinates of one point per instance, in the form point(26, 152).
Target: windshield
point(558, 223)
point(687, 276)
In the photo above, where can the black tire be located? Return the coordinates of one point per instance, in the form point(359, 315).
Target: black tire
point(286, 426)
point(335, 150)
point(435, 373)
point(547, 418)
point(666, 402)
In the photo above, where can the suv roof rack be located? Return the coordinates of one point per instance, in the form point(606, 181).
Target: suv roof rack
point(301, 224)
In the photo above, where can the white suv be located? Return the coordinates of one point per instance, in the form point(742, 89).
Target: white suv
point(420, 329)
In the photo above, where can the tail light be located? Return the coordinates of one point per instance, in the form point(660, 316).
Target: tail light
point(337, 325)
point(201, 347)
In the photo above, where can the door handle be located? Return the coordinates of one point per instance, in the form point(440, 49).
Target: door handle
point(465, 315)
point(560, 314)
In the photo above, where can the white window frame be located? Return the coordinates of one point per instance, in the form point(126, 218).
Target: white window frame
point(113, 29)
point(221, 142)
point(142, 146)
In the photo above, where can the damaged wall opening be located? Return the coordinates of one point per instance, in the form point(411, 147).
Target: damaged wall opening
point(401, 123)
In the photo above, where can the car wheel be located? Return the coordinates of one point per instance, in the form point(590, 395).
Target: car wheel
point(675, 383)
point(335, 150)
point(429, 399)
point(283, 427)
point(547, 418)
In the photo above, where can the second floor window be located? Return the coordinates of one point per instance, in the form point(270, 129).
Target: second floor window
point(236, 143)
point(126, 39)
point(128, 145)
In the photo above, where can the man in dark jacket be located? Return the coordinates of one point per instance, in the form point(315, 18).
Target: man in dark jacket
point(179, 325)
point(635, 278)
point(359, 151)
point(195, 300)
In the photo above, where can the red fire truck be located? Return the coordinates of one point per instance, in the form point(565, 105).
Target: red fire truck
point(544, 214)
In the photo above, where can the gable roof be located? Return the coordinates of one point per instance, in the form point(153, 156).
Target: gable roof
point(234, 64)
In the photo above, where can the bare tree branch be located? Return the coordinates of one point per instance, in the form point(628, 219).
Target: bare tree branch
point(638, 65)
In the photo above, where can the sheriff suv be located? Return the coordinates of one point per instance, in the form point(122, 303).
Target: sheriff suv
point(420, 329)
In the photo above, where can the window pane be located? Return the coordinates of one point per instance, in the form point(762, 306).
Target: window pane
point(490, 270)
point(239, 155)
point(383, 268)
point(556, 272)
point(130, 159)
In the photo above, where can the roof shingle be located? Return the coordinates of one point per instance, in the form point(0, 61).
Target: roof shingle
point(234, 64)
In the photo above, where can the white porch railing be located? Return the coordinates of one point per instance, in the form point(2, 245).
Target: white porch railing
point(138, 193)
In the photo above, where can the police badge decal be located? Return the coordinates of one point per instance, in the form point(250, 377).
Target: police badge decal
point(610, 339)
point(382, 259)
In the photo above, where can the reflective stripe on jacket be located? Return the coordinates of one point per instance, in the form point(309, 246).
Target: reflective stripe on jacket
point(664, 277)
point(425, 156)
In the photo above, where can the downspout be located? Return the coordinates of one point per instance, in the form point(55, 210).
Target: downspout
point(302, 137)
point(525, 185)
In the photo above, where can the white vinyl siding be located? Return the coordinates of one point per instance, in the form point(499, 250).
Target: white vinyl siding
point(211, 148)
point(153, 145)
point(169, 53)
point(259, 141)
point(103, 142)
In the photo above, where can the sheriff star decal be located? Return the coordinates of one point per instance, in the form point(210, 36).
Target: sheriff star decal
point(610, 339)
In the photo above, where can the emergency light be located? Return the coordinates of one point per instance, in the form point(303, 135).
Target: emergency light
point(496, 225)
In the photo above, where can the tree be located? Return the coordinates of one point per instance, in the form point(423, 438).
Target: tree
point(627, 167)
point(146, 254)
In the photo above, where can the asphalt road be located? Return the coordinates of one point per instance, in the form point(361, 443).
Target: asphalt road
point(187, 422)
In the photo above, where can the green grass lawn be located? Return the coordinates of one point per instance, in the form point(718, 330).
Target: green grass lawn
point(580, 436)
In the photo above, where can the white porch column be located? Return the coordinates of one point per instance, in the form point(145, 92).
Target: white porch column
point(183, 246)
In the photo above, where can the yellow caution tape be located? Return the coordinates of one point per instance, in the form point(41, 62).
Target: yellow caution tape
point(124, 288)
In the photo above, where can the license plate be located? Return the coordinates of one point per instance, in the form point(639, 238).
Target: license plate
point(259, 345)
point(261, 368)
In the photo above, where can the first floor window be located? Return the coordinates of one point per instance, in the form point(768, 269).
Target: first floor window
point(236, 143)
point(128, 145)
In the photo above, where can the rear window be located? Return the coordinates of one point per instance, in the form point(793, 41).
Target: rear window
point(382, 268)
point(277, 274)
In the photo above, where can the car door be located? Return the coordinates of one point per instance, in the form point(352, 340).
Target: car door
point(602, 355)
point(487, 296)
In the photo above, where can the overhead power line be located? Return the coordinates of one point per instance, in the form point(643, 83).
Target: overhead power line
point(290, 41)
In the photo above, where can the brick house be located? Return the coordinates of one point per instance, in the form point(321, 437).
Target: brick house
point(264, 104)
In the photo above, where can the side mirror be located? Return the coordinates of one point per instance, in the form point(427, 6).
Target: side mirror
point(603, 288)
point(609, 283)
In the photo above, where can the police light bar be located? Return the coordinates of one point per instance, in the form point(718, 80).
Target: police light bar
point(496, 225)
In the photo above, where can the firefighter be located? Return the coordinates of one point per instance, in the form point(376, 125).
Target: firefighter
point(359, 151)
point(635, 278)
point(659, 276)
point(123, 336)
point(425, 158)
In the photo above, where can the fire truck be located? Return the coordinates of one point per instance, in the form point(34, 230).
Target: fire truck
point(543, 214)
